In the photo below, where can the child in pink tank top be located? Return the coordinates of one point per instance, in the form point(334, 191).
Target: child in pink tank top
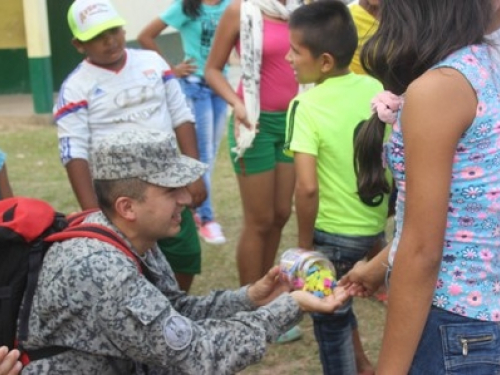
point(277, 81)
point(265, 175)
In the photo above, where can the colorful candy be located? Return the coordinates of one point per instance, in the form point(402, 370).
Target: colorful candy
point(308, 270)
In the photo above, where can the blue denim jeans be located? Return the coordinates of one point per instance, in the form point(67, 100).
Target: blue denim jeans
point(452, 344)
point(210, 112)
point(333, 332)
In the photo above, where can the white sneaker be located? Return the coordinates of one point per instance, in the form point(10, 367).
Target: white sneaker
point(211, 232)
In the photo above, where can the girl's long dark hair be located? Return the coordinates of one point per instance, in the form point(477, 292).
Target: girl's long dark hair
point(413, 35)
point(191, 8)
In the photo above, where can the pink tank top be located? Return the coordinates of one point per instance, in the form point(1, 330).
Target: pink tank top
point(277, 81)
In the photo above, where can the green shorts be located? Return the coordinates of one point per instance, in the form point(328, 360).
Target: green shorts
point(267, 148)
point(183, 251)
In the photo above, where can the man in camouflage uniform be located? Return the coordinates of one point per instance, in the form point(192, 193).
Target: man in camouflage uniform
point(92, 298)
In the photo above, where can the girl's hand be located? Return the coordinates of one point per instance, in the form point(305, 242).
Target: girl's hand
point(240, 118)
point(185, 68)
point(362, 281)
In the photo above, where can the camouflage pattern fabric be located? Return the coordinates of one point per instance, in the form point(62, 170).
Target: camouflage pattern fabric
point(93, 299)
point(152, 156)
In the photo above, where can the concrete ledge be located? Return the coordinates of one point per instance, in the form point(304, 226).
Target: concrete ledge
point(18, 109)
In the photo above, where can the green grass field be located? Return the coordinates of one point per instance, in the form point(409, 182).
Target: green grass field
point(35, 171)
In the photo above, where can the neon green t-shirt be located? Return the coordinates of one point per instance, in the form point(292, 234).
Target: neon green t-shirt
point(321, 122)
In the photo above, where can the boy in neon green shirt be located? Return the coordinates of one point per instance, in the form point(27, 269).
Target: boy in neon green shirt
point(321, 127)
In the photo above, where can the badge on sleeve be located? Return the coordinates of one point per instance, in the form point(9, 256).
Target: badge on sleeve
point(177, 332)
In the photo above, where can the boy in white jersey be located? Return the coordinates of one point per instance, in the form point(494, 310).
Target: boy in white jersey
point(115, 90)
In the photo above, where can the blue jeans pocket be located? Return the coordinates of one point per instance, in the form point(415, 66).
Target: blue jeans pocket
point(456, 345)
point(471, 348)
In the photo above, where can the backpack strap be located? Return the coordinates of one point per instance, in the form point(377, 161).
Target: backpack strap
point(77, 218)
point(76, 230)
point(96, 231)
point(35, 259)
point(28, 356)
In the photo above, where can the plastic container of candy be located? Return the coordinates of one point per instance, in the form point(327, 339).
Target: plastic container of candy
point(308, 270)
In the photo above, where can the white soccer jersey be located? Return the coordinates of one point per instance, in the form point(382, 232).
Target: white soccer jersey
point(95, 102)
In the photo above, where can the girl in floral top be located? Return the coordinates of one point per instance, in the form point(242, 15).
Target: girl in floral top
point(444, 300)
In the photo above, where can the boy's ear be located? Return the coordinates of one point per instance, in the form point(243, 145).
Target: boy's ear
point(327, 62)
point(78, 45)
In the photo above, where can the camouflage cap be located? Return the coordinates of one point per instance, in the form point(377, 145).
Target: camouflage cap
point(152, 156)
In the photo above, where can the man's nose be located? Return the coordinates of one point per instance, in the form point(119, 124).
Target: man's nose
point(184, 197)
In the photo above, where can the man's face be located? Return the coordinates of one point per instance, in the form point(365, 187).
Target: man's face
point(158, 215)
point(306, 67)
point(107, 49)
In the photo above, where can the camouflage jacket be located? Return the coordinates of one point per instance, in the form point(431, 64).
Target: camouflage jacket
point(93, 299)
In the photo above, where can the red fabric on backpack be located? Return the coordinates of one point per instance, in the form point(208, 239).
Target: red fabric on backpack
point(28, 226)
point(28, 217)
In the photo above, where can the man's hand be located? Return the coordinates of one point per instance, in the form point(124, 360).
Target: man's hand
point(9, 361)
point(267, 288)
point(310, 303)
point(363, 280)
point(198, 192)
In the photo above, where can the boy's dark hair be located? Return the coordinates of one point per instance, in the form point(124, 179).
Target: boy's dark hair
point(413, 36)
point(327, 27)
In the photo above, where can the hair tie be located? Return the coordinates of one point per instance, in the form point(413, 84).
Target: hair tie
point(386, 105)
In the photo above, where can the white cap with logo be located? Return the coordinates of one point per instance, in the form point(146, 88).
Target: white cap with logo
point(89, 18)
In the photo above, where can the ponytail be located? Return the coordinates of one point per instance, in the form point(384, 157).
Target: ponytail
point(368, 166)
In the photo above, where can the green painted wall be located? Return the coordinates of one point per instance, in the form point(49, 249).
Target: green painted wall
point(64, 56)
point(14, 76)
point(14, 65)
point(41, 84)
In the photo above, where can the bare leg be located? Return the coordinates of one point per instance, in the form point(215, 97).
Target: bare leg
point(363, 364)
point(266, 200)
point(5, 189)
point(184, 280)
point(257, 200)
point(283, 193)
